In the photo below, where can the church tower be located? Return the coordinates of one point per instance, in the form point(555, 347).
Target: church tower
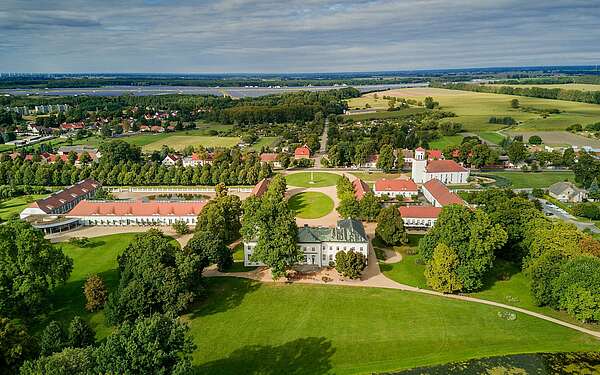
point(418, 166)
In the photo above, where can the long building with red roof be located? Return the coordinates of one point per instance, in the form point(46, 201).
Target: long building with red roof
point(121, 213)
point(419, 216)
point(439, 195)
point(404, 187)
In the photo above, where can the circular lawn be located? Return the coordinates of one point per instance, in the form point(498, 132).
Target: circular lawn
point(311, 205)
point(314, 179)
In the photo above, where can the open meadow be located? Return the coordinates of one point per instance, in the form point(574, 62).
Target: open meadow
point(13, 206)
point(474, 109)
point(564, 86)
point(253, 327)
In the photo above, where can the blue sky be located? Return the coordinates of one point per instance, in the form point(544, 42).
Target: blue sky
point(293, 36)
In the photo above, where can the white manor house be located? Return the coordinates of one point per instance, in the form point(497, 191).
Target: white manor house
point(321, 244)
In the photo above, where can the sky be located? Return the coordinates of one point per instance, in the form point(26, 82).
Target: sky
point(273, 36)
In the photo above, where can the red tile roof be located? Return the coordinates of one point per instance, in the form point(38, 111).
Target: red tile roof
point(420, 149)
point(441, 193)
point(360, 188)
point(419, 212)
point(302, 151)
point(268, 157)
point(396, 185)
point(261, 187)
point(443, 166)
point(435, 154)
point(136, 208)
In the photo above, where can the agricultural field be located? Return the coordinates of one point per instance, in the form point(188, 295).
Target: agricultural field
point(446, 141)
point(13, 206)
point(564, 86)
point(473, 109)
point(311, 205)
point(561, 138)
point(491, 137)
point(520, 180)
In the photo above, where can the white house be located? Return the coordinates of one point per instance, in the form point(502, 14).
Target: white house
point(439, 195)
point(447, 171)
point(121, 213)
point(404, 187)
point(567, 192)
point(197, 159)
point(419, 217)
point(321, 244)
point(171, 160)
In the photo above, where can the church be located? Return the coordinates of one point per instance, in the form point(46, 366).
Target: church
point(446, 171)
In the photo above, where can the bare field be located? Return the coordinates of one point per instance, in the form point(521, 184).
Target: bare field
point(559, 138)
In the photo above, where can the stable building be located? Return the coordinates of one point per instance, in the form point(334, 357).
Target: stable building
point(439, 195)
point(360, 188)
point(398, 187)
point(64, 200)
point(419, 217)
point(122, 213)
point(320, 244)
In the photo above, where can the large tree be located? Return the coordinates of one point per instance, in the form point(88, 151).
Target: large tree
point(30, 268)
point(472, 236)
point(153, 345)
point(211, 249)
point(442, 271)
point(15, 345)
point(273, 225)
point(390, 226)
point(221, 217)
point(386, 158)
point(155, 276)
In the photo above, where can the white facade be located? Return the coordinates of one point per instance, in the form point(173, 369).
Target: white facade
point(419, 163)
point(419, 222)
point(430, 198)
point(114, 220)
point(319, 254)
point(448, 178)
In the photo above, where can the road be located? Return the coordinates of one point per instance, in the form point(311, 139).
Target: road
point(323, 150)
point(555, 211)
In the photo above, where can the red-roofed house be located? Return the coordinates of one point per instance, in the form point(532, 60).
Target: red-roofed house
point(302, 152)
point(270, 157)
point(157, 129)
point(439, 195)
point(435, 155)
point(121, 213)
point(360, 188)
point(69, 126)
point(419, 216)
point(171, 160)
point(406, 188)
point(198, 159)
point(371, 162)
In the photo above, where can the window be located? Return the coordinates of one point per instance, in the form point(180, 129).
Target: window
point(324, 257)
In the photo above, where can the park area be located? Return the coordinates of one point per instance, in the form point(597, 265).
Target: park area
point(311, 205)
point(312, 179)
point(532, 180)
point(246, 326)
point(13, 206)
point(473, 109)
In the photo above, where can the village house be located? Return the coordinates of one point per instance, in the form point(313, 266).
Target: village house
point(197, 159)
point(270, 157)
point(302, 152)
point(447, 171)
point(398, 187)
point(170, 160)
point(320, 244)
point(567, 192)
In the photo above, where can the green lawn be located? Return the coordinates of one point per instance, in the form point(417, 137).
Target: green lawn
point(491, 137)
point(312, 179)
point(249, 327)
point(14, 206)
point(311, 205)
point(473, 109)
point(264, 142)
point(374, 176)
point(519, 180)
point(443, 142)
point(179, 142)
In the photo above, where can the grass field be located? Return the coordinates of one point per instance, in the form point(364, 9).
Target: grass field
point(446, 141)
point(179, 142)
point(474, 109)
point(518, 180)
point(312, 179)
point(491, 137)
point(374, 176)
point(311, 205)
point(14, 206)
point(565, 86)
point(559, 138)
point(247, 327)
point(385, 114)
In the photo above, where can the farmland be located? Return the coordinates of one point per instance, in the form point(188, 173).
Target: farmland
point(520, 180)
point(474, 109)
point(564, 86)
